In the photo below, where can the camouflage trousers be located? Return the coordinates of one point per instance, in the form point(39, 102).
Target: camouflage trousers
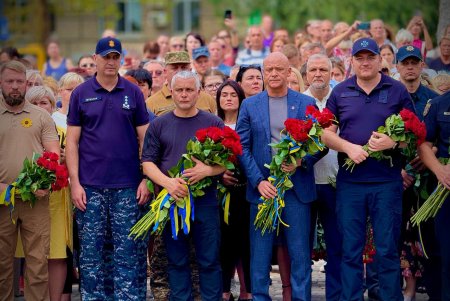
point(112, 265)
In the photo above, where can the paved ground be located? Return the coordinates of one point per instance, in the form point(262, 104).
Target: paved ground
point(318, 286)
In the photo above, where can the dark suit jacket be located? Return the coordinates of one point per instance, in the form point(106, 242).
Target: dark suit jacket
point(253, 127)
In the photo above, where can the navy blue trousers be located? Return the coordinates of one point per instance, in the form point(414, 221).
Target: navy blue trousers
point(325, 208)
point(383, 202)
point(205, 231)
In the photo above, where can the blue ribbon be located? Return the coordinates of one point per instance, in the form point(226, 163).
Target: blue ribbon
point(164, 201)
point(172, 221)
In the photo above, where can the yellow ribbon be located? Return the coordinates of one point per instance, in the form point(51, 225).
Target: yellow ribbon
point(227, 207)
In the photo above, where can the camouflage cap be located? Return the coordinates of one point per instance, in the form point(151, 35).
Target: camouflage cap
point(177, 57)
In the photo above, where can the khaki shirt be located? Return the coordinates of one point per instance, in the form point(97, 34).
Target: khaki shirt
point(21, 134)
point(162, 102)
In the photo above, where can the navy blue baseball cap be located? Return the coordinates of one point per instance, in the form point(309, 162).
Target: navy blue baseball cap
point(407, 51)
point(200, 51)
point(108, 45)
point(367, 44)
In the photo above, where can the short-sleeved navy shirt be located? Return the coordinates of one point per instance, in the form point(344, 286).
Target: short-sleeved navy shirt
point(108, 146)
point(359, 115)
point(420, 99)
point(166, 139)
point(438, 124)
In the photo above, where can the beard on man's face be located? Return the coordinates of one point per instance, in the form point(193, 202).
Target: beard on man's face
point(14, 100)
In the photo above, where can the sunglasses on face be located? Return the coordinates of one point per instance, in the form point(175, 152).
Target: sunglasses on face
point(245, 67)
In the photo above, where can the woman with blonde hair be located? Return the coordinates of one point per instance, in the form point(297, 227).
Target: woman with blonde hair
point(34, 78)
point(295, 80)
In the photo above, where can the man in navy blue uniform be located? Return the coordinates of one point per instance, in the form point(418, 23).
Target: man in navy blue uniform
point(361, 104)
point(410, 65)
point(437, 120)
point(261, 119)
point(107, 120)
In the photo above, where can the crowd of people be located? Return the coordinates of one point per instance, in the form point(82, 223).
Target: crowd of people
point(122, 117)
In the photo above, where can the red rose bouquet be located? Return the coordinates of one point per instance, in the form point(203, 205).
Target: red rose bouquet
point(299, 138)
point(402, 127)
point(41, 172)
point(211, 146)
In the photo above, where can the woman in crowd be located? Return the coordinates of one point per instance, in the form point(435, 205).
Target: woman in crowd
point(388, 55)
point(416, 27)
point(295, 81)
point(212, 80)
point(143, 79)
point(277, 44)
point(193, 40)
point(338, 70)
point(250, 79)
point(60, 207)
point(86, 62)
point(236, 233)
point(56, 65)
point(34, 79)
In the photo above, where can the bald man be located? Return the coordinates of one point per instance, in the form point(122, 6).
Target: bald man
point(260, 122)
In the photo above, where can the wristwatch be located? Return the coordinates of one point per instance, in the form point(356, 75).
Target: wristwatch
point(396, 145)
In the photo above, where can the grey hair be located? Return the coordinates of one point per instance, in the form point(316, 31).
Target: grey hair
point(161, 63)
point(404, 35)
point(319, 56)
point(311, 46)
point(39, 92)
point(186, 75)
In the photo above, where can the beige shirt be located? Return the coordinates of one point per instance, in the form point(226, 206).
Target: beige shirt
point(21, 134)
point(162, 102)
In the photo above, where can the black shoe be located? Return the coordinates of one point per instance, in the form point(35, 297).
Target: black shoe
point(373, 295)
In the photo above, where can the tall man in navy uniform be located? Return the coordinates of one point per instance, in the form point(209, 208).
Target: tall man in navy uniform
point(361, 104)
point(410, 65)
point(261, 119)
point(107, 121)
point(437, 120)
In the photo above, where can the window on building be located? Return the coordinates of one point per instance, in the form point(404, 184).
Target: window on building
point(131, 16)
point(186, 15)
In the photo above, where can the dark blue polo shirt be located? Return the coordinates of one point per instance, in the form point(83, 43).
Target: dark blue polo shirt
point(420, 99)
point(438, 124)
point(108, 146)
point(166, 139)
point(359, 114)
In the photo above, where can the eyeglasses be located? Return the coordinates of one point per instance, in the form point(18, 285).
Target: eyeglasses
point(88, 65)
point(157, 73)
point(213, 86)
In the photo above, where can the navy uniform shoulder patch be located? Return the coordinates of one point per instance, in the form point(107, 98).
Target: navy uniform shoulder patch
point(427, 108)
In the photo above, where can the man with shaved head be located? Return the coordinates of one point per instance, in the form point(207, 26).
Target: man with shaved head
point(260, 122)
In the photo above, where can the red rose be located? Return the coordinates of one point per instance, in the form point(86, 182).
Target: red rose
point(61, 172)
point(53, 157)
point(300, 136)
point(41, 161)
point(46, 155)
point(292, 125)
point(326, 118)
point(229, 133)
point(201, 135)
point(311, 111)
point(52, 165)
point(214, 133)
point(232, 159)
point(307, 125)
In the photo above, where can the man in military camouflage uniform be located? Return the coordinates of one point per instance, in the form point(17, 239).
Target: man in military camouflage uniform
point(107, 120)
